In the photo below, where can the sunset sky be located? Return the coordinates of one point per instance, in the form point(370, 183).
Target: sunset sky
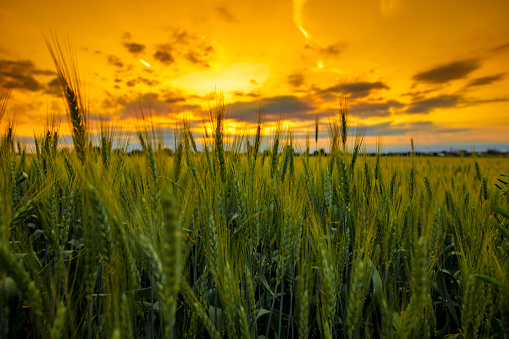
point(436, 71)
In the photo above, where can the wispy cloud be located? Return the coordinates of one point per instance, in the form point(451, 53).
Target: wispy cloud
point(292, 107)
point(370, 109)
point(451, 71)
point(296, 79)
point(485, 80)
point(164, 57)
point(416, 127)
point(425, 106)
point(115, 61)
point(134, 48)
point(354, 89)
point(22, 74)
point(225, 14)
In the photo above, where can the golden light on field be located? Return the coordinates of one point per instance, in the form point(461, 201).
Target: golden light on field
point(432, 70)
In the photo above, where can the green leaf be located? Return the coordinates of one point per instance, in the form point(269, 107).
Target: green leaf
point(501, 211)
point(264, 282)
point(36, 235)
point(505, 231)
point(143, 293)
point(442, 289)
point(489, 279)
point(377, 293)
point(261, 312)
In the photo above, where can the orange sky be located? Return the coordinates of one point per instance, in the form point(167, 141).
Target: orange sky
point(436, 71)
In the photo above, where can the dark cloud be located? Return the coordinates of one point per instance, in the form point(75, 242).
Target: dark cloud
point(418, 95)
point(184, 45)
point(425, 106)
point(296, 79)
point(149, 97)
point(417, 127)
point(451, 71)
point(225, 14)
point(196, 58)
point(292, 107)
point(159, 105)
point(21, 74)
point(175, 100)
point(191, 107)
point(54, 87)
point(181, 36)
point(164, 57)
point(253, 82)
point(244, 94)
point(485, 80)
point(134, 48)
point(126, 36)
point(501, 47)
point(370, 109)
point(474, 102)
point(354, 89)
point(115, 61)
point(140, 80)
point(332, 50)
point(44, 72)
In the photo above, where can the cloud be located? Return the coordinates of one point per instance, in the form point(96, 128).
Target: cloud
point(140, 80)
point(474, 102)
point(164, 57)
point(244, 94)
point(485, 80)
point(175, 100)
point(292, 107)
point(417, 95)
point(451, 71)
point(191, 107)
point(332, 50)
point(253, 82)
point(416, 127)
point(354, 90)
point(180, 36)
point(501, 47)
point(369, 109)
point(115, 61)
point(21, 74)
point(225, 14)
point(134, 48)
point(296, 79)
point(425, 106)
point(195, 57)
point(54, 87)
point(183, 45)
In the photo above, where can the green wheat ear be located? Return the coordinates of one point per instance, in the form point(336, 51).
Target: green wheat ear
point(65, 64)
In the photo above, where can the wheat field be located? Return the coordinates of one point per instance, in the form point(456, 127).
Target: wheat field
point(240, 240)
